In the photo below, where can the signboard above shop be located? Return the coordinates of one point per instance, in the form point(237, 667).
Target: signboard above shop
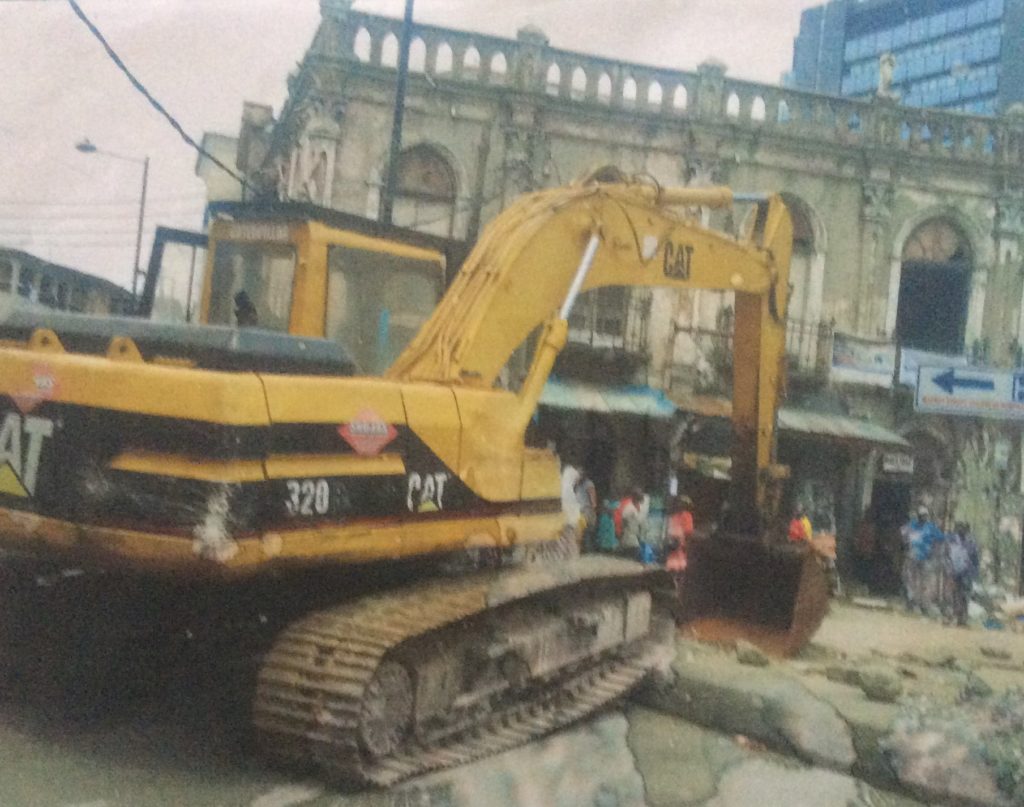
point(911, 360)
point(897, 463)
point(970, 391)
point(862, 361)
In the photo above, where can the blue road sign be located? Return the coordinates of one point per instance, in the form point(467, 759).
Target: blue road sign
point(970, 391)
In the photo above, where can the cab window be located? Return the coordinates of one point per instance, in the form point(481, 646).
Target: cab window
point(251, 285)
point(376, 303)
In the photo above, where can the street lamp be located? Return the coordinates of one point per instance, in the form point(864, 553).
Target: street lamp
point(86, 146)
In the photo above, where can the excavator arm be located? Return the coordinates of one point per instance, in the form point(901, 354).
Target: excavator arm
point(534, 258)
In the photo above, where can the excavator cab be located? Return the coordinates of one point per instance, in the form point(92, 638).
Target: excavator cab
point(304, 271)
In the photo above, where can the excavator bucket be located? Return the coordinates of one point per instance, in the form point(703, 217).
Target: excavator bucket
point(774, 596)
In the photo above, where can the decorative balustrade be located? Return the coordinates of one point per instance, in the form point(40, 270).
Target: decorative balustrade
point(529, 64)
point(808, 344)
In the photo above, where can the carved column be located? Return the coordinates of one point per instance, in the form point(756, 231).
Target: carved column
point(711, 90)
point(306, 173)
point(528, 68)
point(527, 150)
point(876, 306)
point(334, 37)
point(1008, 235)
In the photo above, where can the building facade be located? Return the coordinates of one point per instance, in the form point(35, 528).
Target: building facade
point(964, 55)
point(26, 278)
point(908, 235)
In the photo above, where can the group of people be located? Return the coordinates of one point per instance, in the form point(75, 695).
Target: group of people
point(939, 570)
point(623, 526)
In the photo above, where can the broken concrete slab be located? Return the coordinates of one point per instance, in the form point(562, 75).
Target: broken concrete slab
point(748, 653)
point(880, 683)
point(712, 689)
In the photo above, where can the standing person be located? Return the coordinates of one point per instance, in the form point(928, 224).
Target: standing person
point(920, 576)
point(680, 528)
point(800, 525)
point(963, 565)
point(586, 496)
point(570, 506)
point(606, 537)
point(634, 511)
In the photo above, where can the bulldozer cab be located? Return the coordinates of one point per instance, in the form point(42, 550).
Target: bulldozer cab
point(304, 271)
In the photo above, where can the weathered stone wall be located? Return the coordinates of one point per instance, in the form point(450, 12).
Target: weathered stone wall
point(514, 115)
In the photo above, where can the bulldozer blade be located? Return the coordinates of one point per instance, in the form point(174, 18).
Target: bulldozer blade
point(740, 588)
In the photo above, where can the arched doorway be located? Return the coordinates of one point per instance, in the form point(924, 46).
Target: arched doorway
point(935, 285)
point(426, 191)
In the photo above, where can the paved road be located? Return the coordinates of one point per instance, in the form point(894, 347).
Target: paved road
point(185, 749)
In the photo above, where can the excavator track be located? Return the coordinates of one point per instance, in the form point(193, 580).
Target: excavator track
point(323, 690)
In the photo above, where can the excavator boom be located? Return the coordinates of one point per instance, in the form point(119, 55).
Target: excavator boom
point(524, 268)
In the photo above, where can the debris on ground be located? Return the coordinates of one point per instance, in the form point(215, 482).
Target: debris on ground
point(881, 684)
point(872, 603)
point(974, 750)
point(747, 653)
point(975, 687)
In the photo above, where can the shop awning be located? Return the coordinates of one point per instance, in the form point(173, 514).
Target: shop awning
point(839, 427)
point(628, 400)
point(801, 421)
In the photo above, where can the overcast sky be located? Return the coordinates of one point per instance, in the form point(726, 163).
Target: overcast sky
point(203, 58)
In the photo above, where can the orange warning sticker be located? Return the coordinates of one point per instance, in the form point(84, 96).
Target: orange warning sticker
point(368, 434)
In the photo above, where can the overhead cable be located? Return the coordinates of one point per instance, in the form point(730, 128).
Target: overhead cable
point(149, 97)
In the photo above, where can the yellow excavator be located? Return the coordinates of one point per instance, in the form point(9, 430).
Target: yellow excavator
point(426, 606)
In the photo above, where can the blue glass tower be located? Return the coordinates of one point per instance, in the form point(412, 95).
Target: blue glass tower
point(965, 55)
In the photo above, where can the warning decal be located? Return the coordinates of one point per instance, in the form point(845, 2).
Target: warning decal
point(368, 434)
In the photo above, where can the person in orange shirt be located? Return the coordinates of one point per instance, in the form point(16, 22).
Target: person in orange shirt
point(679, 530)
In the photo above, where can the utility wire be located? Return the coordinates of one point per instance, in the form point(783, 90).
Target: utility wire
point(149, 97)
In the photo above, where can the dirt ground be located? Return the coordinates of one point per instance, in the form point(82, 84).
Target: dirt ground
point(860, 631)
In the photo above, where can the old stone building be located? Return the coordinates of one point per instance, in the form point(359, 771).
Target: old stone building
point(27, 279)
point(909, 227)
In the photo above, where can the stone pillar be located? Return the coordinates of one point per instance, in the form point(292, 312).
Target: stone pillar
point(333, 38)
point(1009, 238)
point(710, 101)
point(528, 68)
point(876, 304)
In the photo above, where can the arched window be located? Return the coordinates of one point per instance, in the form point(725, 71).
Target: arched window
point(361, 46)
point(389, 51)
point(426, 191)
point(680, 98)
point(418, 56)
point(629, 91)
point(471, 61)
point(579, 84)
point(935, 275)
point(604, 89)
point(732, 106)
point(806, 284)
point(499, 68)
point(758, 111)
point(554, 79)
point(654, 94)
point(444, 60)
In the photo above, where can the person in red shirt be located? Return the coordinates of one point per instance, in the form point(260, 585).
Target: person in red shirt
point(800, 526)
point(680, 528)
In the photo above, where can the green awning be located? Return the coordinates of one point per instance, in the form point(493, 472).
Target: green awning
point(627, 400)
point(840, 427)
point(801, 421)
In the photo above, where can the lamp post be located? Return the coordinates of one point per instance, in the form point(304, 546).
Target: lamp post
point(87, 147)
